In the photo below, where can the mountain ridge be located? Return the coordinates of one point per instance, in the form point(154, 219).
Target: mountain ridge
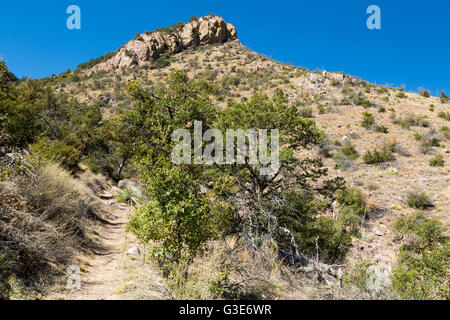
point(146, 48)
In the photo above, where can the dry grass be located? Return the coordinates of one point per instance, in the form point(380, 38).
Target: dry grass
point(229, 270)
point(46, 216)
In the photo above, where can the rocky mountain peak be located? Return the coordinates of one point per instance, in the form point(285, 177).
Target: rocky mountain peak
point(146, 48)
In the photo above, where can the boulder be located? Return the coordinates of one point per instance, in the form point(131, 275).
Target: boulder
point(134, 251)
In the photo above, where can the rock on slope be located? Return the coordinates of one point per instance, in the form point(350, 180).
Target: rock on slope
point(151, 45)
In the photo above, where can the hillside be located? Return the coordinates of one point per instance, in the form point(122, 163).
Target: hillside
point(409, 130)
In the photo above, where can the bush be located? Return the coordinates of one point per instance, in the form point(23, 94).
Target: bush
point(58, 151)
point(446, 132)
point(378, 156)
point(354, 199)
point(428, 141)
point(418, 201)
point(325, 148)
point(6, 272)
point(130, 195)
point(381, 129)
point(401, 95)
point(178, 219)
point(444, 115)
point(413, 121)
point(303, 216)
point(426, 232)
point(424, 93)
point(94, 62)
point(437, 161)
point(421, 276)
point(443, 97)
point(162, 62)
point(363, 102)
point(357, 276)
point(423, 266)
point(368, 120)
point(349, 151)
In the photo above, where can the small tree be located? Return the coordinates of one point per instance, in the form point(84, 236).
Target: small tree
point(178, 218)
point(285, 205)
point(424, 93)
point(443, 97)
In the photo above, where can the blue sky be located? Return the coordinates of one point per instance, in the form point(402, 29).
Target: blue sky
point(412, 48)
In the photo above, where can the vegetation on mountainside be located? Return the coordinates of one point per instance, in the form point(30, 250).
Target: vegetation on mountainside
point(250, 225)
point(94, 62)
point(45, 214)
point(285, 208)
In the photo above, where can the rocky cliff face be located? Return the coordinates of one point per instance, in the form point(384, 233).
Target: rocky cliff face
point(149, 46)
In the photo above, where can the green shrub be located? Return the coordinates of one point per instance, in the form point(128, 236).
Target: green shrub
point(417, 136)
point(443, 97)
point(58, 151)
point(363, 102)
point(321, 109)
point(423, 266)
point(437, 161)
point(193, 18)
point(6, 271)
point(178, 219)
point(444, 115)
point(349, 151)
point(401, 95)
point(130, 195)
point(353, 199)
point(357, 276)
point(368, 120)
point(335, 83)
point(420, 276)
point(426, 232)
point(162, 62)
point(382, 90)
point(446, 132)
point(378, 156)
point(94, 62)
point(428, 141)
point(424, 93)
point(412, 121)
point(302, 214)
point(381, 129)
point(418, 201)
point(138, 37)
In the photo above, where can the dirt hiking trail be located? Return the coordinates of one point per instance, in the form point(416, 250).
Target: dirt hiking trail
point(110, 272)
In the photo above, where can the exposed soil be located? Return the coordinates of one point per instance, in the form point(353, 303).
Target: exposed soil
point(110, 272)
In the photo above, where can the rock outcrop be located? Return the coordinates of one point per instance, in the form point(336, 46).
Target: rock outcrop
point(150, 46)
